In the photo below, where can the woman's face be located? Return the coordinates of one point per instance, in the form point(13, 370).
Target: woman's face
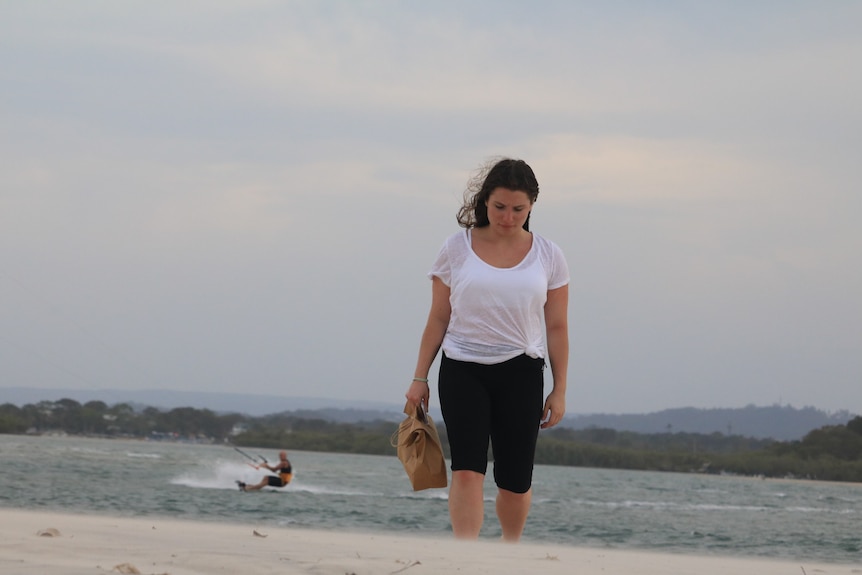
point(508, 209)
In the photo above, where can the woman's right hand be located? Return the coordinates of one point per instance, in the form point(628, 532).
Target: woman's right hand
point(418, 392)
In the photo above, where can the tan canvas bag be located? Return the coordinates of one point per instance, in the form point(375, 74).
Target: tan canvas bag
point(419, 449)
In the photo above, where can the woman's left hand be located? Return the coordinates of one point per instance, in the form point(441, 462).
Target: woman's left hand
point(418, 393)
point(554, 410)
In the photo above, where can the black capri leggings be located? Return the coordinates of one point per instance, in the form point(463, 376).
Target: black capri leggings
point(501, 403)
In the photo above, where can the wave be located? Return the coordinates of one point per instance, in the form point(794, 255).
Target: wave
point(143, 455)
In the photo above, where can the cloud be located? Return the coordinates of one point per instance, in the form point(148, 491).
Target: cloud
point(252, 192)
point(640, 171)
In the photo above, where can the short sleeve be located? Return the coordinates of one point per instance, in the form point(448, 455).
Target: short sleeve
point(442, 267)
point(558, 269)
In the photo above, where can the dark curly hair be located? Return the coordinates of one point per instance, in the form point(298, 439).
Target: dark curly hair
point(498, 173)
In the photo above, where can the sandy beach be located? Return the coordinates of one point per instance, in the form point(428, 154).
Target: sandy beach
point(41, 543)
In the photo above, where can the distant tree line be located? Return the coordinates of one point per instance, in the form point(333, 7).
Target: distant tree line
point(97, 419)
point(831, 452)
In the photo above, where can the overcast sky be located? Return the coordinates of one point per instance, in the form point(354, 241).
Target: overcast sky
point(246, 196)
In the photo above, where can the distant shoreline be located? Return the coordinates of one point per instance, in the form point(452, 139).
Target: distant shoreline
point(782, 423)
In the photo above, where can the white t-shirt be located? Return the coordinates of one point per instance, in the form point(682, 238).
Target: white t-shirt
point(497, 313)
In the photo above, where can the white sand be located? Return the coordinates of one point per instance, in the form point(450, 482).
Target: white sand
point(87, 544)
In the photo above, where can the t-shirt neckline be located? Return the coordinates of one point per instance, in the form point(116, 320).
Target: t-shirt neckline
point(468, 237)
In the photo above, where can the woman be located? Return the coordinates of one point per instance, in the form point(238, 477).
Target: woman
point(493, 284)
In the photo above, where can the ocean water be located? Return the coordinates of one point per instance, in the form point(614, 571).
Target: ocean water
point(667, 512)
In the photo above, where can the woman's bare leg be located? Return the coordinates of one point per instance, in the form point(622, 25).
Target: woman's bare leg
point(466, 504)
point(512, 510)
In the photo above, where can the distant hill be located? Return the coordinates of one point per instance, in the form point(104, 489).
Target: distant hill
point(783, 423)
point(247, 404)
